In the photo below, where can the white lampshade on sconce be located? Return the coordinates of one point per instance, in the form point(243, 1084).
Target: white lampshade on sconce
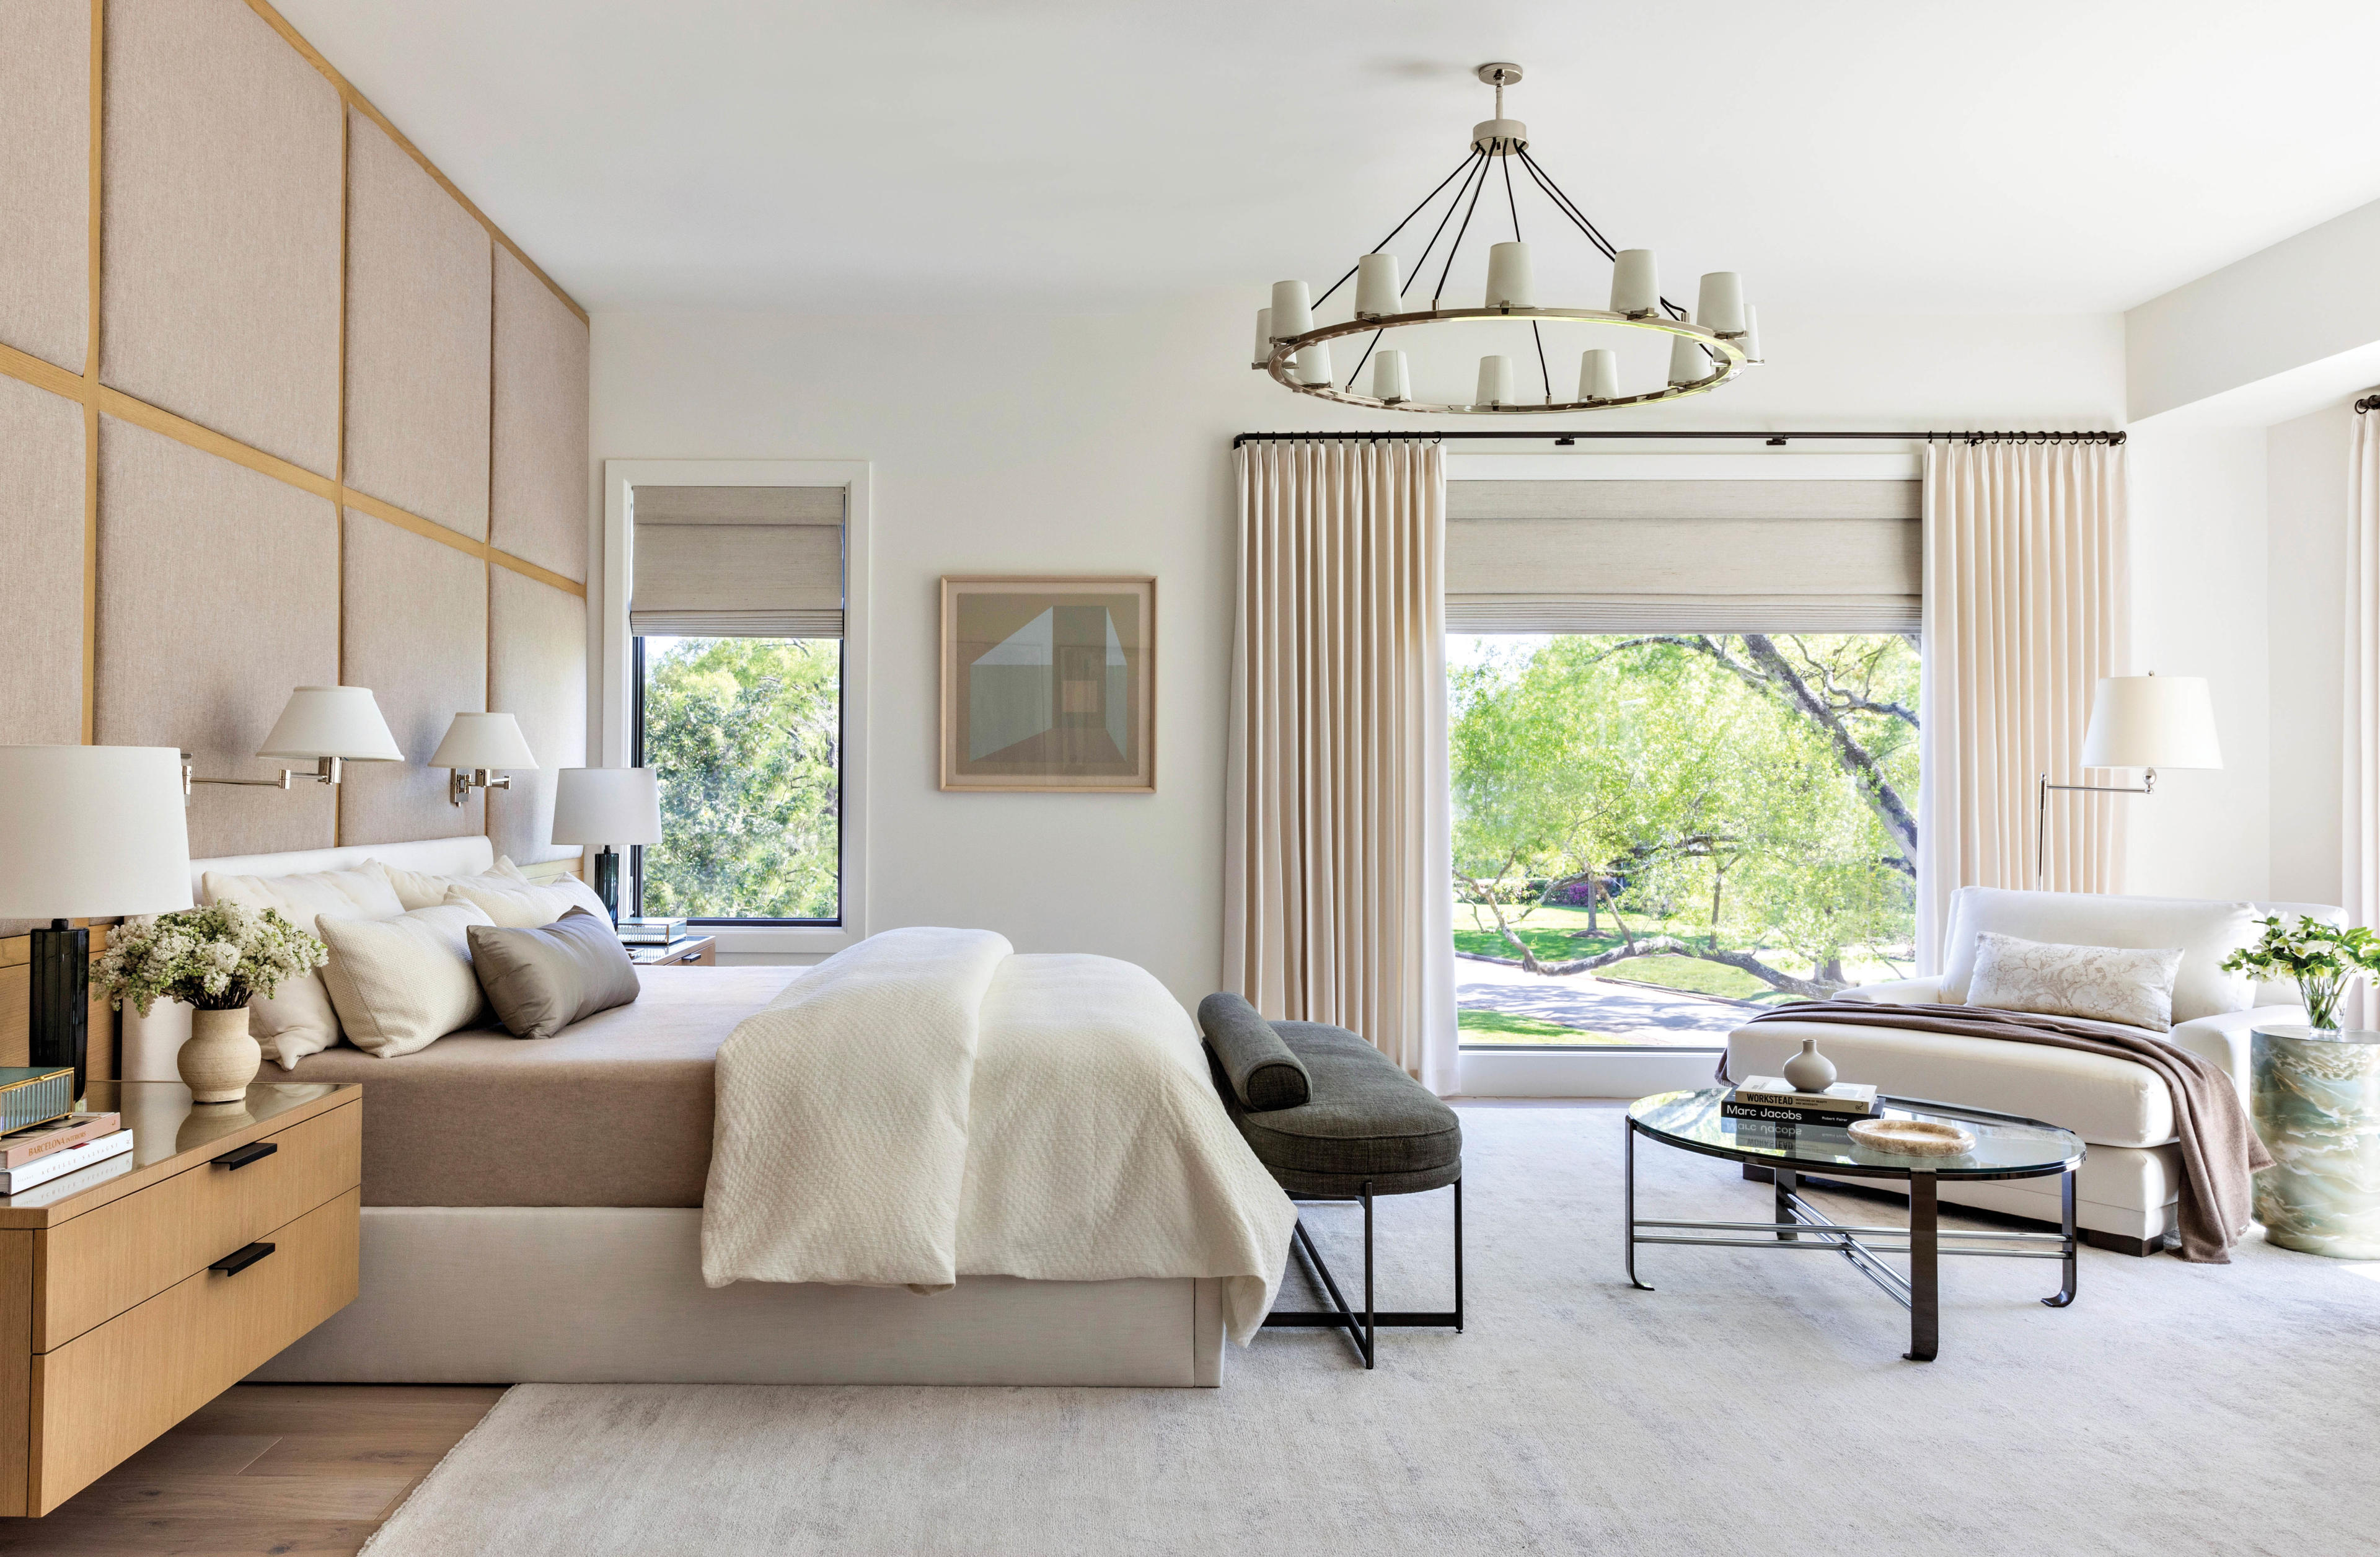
point(478, 743)
point(607, 806)
point(327, 725)
point(86, 831)
point(1598, 374)
point(1510, 283)
point(2145, 722)
point(1376, 287)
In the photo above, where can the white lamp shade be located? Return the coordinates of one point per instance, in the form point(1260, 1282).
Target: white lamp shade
point(1687, 362)
point(1390, 379)
point(1264, 339)
point(483, 740)
point(1720, 302)
point(1293, 309)
point(1496, 382)
point(1751, 334)
point(1376, 286)
point(1634, 286)
point(342, 721)
point(1312, 364)
point(1598, 374)
point(2151, 722)
point(606, 806)
point(1510, 281)
point(91, 832)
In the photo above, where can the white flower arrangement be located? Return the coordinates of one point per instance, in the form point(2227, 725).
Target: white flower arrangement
point(217, 958)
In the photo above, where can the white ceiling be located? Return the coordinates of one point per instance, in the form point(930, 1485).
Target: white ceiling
point(1904, 155)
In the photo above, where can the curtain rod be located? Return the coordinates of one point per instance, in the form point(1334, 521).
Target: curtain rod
point(1777, 439)
point(2368, 402)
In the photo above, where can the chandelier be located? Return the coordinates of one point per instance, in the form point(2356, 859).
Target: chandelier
point(1707, 349)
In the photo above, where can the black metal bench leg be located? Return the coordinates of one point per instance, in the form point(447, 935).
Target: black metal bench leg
point(1371, 1351)
point(1458, 1256)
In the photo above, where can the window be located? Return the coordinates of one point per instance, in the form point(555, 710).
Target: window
point(746, 736)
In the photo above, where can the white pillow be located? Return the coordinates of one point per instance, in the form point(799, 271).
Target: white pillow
point(2102, 983)
point(419, 889)
point(300, 1019)
point(530, 906)
point(403, 984)
point(2207, 930)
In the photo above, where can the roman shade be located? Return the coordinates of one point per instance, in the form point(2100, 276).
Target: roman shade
point(1668, 555)
point(736, 562)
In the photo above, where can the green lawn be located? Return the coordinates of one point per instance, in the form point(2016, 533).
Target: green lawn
point(1502, 1026)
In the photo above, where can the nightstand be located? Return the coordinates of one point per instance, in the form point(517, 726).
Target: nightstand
point(134, 1291)
point(687, 951)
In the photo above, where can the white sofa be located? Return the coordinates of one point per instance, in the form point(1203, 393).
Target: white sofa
point(2125, 1190)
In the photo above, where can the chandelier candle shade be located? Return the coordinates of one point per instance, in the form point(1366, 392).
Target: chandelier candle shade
point(1598, 373)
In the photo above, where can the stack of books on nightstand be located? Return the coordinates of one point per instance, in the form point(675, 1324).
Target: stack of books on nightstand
point(1771, 1099)
point(651, 933)
point(58, 1147)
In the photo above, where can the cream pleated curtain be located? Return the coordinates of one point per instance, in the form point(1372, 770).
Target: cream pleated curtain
point(1338, 904)
point(2025, 604)
point(2359, 832)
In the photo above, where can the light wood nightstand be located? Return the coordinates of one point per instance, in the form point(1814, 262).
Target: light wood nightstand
point(690, 950)
point(136, 1290)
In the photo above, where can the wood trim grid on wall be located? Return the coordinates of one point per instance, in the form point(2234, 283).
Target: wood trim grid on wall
point(96, 398)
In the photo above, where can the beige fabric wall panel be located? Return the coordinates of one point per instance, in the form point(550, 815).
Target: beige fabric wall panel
point(220, 282)
point(540, 449)
point(41, 536)
point(419, 302)
point(537, 672)
point(218, 592)
point(416, 634)
point(45, 178)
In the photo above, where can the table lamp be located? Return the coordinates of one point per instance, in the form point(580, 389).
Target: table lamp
point(478, 743)
point(86, 831)
point(2147, 721)
point(607, 806)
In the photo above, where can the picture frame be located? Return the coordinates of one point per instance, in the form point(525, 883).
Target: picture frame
point(1049, 684)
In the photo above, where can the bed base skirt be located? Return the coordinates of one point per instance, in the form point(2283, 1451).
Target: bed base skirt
point(587, 1294)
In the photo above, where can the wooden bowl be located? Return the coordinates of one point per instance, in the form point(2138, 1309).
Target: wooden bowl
point(1913, 1138)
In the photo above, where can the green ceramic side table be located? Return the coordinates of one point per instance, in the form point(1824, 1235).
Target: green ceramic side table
point(2317, 1099)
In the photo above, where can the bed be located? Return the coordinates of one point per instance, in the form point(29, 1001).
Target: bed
point(533, 1211)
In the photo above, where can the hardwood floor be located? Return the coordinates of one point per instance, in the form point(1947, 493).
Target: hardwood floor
point(295, 1470)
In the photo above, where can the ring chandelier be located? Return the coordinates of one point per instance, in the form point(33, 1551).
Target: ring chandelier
point(1707, 348)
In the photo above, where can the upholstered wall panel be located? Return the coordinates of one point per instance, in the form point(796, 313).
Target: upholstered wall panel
point(416, 634)
point(541, 424)
point(41, 538)
point(45, 178)
point(537, 672)
point(220, 271)
point(218, 592)
point(418, 298)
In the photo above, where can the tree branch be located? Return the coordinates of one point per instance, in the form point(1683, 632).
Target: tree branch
point(1670, 945)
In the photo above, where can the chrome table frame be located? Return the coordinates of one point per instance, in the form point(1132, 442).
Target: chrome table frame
point(1802, 1226)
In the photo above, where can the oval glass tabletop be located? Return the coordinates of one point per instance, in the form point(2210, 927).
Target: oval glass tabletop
point(2006, 1147)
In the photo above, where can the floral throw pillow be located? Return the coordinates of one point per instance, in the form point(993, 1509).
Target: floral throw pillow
point(2100, 983)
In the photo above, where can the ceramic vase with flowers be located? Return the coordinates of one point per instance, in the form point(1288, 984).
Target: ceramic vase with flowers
point(2324, 959)
point(216, 960)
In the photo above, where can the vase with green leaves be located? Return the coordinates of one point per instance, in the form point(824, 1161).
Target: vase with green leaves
point(2325, 960)
point(216, 960)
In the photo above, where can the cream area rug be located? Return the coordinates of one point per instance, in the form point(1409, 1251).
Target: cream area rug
point(1756, 1404)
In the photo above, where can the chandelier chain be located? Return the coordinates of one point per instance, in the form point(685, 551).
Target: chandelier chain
point(1459, 232)
point(1401, 226)
point(1569, 207)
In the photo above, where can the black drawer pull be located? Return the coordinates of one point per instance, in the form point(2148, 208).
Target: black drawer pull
point(254, 1151)
point(240, 1259)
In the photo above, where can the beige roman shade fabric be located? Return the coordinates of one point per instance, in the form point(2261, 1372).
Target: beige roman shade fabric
point(1620, 556)
point(736, 562)
point(1337, 874)
point(2025, 592)
point(2358, 788)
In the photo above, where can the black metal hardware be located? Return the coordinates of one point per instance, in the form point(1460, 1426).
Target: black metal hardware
point(254, 1151)
point(59, 997)
point(1566, 435)
point(240, 1259)
point(2368, 402)
point(1362, 1325)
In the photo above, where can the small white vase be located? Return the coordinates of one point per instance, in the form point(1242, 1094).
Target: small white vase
point(1810, 1071)
point(220, 1059)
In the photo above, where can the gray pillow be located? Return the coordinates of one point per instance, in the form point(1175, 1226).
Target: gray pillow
point(541, 980)
point(1262, 1071)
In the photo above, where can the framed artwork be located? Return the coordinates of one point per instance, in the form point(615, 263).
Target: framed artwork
point(1049, 684)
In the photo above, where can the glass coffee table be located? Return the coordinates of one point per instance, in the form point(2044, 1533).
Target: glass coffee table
point(2007, 1146)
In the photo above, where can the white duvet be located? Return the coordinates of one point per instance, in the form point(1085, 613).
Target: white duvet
point(927, 1105)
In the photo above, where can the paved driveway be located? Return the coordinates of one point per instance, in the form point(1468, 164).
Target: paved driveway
point(1633, 1012)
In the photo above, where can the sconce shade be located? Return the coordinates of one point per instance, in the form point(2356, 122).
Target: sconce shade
point(483, 740)
point(342, 721)
point(606, 806)
point(2151, 722)
point(91, 832)
point(1376, 290)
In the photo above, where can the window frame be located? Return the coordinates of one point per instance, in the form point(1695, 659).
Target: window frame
point(620, 714)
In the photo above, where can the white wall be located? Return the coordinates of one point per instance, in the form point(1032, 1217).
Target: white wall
point(1025, 441)
point(2306, 591)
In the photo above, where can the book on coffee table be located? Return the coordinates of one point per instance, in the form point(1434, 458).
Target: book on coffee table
point(1772, 1100)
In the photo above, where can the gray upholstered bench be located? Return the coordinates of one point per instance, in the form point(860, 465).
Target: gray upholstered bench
point(1332, 1118)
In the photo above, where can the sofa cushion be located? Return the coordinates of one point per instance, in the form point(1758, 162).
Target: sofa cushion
point(1261, 1069)
point(2206, 931)
point(1367, 1120)
point(2106, 1101)
point(2099, 983)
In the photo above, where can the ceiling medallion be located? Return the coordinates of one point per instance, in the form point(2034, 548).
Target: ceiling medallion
point(1707, 349)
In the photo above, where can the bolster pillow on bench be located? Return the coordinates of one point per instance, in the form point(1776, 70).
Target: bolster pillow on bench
point(1262, 1071)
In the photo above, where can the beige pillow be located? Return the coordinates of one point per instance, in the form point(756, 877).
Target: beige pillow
point(403, 984)
point(530, 906)
point(301, 1019)
point(2102, 983)
point(419, 889)
point(541, 980)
